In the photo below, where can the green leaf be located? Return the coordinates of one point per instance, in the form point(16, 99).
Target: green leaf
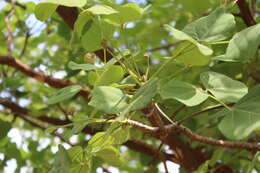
point(99, 141)
point(214, 27)
point(87, 67)
point(191, 57)
point(81, 123)
point(5, 127)
point(84, 167)
point(106, 75)
point(91, 39)
point(51, 129)
point(179, 35)
point(44, 10)
point(111, 155)
point(68, 3)
point(76, 154)
point(81, 163)
point(144, 95)
point(183, 92)
point(203, 168)
point(223, 87)
point(126, 13)
point(62, 161)
point(84, 21)
point(64, 94)
point(108, 99)
point(244, 118)
point(121, 135)
point(243, 45)
point(101, 10)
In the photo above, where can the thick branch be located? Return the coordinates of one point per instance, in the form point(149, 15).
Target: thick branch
point(143, 147)
point(53, 82)
point(211, 141)
point(68, 14)
point(154, 131)
point(189, 158)
point(134, 144)
point(246, 13)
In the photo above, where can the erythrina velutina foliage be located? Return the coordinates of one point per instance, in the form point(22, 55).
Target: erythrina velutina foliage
point(130, 86)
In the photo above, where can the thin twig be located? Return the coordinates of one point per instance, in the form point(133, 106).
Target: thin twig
point(188, 117)
point(17, 4)
point(162, 113)
point(27, 36)
point(179, 109)
point(9, 40)
point(165, 167)
point(165, 46)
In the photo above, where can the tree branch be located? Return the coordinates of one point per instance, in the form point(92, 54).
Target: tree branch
point(39, 76)
point(155, 131)
point(189, 158)
point(22, 113)
point(133, 144)
point(246, 13)
point(9, 40)
point(211, 141)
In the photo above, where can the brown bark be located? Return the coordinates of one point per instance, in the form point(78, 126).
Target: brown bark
point(39, 76)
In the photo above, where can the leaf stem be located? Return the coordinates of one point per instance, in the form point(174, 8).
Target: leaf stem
point(219, 42)
point(169, 61)
point(225, 105)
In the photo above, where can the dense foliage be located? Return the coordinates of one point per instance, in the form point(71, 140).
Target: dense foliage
point(130, 86)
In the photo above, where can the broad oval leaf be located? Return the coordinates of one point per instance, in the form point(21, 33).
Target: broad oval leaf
point(180, 35)
point(91, 39)
point(102, 10)
point(68, 3)
point(87, 67)
point(244, 118)
point(64, 94)
point(214, 27)
point(44, 10)
point(144, 95)
point(99, 141)
point(183, 92)
point(223, 87)
point(5, 127)
point(108, 75)
point(192, 57)
point(126, 13)
point(244, 44)
point(81, 22)
point(111, 155)
point(76, 154)
point(62, 161)
point(108, 99)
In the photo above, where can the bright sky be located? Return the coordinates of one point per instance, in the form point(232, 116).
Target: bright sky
point(17, 136)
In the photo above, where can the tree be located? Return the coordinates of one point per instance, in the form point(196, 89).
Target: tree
point(136, 85)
